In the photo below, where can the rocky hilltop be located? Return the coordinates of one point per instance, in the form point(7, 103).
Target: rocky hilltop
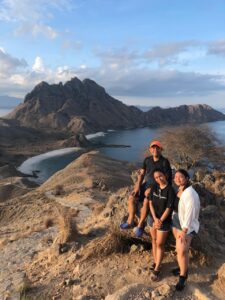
point(84, 106)
point(80, 106)
point(61, 240)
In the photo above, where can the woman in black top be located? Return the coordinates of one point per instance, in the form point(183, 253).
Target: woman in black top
point(161, 201)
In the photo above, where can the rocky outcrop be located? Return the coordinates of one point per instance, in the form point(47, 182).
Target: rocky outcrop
point(84, 106)
point(80, 106)
point(199, 113)
point(77, 140)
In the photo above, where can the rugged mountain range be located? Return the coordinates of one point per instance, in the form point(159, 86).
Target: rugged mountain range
point(84, 106)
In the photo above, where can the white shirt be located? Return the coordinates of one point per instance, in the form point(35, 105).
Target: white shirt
point(188, 210)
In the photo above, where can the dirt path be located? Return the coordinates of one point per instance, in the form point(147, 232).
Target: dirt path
point(13, 262)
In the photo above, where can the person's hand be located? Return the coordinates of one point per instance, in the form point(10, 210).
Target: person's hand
point(147, 192)
point(157, 223)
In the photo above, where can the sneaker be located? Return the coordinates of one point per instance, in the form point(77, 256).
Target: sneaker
point(126, 226)
point(138, 231)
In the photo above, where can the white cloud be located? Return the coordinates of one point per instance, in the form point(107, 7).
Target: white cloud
point(9, 64)
point(217, 48)
point(37, 29)
point(122, 75)
point(38, 65)
point(33, 16)
point(17, 79)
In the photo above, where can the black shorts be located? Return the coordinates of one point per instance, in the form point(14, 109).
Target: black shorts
point(166, 226)
point(143, 188)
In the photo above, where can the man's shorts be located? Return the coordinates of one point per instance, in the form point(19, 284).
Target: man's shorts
point(143, 188)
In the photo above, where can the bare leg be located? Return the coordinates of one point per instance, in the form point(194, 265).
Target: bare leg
point(161, 237)
point(174, 230)
point(131, 209)
point(153, 237)
point(182, 254)
point(144, 212)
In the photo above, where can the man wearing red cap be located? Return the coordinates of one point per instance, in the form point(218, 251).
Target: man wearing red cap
point(144, 184)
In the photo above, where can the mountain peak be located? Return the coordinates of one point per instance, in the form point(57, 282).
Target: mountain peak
point(84, 106)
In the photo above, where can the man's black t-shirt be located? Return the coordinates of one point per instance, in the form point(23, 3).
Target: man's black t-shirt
point(161, 200)
point(149, 165)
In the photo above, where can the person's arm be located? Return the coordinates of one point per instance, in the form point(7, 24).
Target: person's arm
point(168, 171)
point(157, 221)
point(170, 203)
point(165, 214)
point(188, 214)
point(188, 217)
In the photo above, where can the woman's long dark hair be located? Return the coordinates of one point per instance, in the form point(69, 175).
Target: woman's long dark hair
point(186, 175)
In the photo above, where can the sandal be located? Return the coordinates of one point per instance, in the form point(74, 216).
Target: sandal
point(139, 231)
point(181, 283)
point(126, 225)
point(155, 275)
point(152, 268)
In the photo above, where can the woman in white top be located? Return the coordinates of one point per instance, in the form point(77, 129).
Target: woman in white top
point(188, 214)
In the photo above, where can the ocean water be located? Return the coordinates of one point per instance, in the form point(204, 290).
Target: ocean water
point(46, 164)
point(138, 140)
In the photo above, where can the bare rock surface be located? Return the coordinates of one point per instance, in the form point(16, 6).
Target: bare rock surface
point(14, 257)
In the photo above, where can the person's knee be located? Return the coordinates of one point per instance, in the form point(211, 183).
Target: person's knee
point(131, 200)
point(159, 244)
point(147, 192)
point(153, 241)
point(182, 251)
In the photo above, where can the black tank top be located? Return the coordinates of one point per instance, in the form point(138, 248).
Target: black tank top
point(176, 202)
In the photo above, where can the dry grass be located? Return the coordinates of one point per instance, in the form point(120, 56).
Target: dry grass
point(188, 145)
point(67, 224)
point(3, 242)
point(113, 241)
point(49, 222)
point(97, 209)
point(24, 288)
point(58, 190)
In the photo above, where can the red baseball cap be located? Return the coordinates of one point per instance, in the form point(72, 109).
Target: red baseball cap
point(156, 143)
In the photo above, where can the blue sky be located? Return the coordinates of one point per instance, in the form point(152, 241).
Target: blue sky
point(148, 52)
